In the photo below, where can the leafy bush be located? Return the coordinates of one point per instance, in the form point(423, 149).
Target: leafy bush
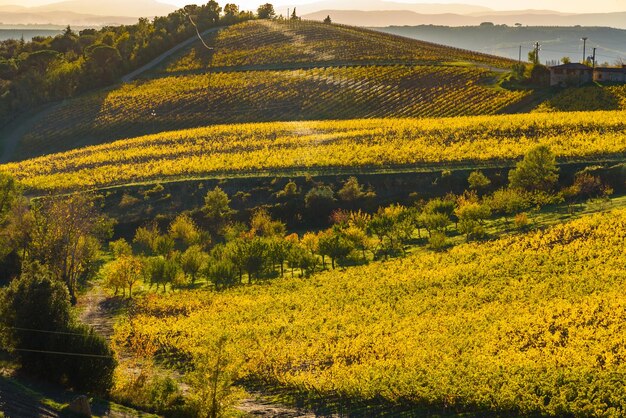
point(35, 312)
point(149, 391)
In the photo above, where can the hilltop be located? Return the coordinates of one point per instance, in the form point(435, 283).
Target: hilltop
point(263, 71)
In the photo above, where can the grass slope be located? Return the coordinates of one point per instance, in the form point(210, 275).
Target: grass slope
point(529, 324)
point(284, 147)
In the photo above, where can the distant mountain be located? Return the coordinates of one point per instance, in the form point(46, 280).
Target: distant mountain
point(519, 12)
point(132, 8)
point(84, 12)
point(525, 18)
point(373, 5)
point(556, 42)
point(392, 18)
point(62, 19)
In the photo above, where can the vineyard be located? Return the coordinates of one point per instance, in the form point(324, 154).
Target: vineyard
point(280, 42)
point(586, 99)
point(173, 103)
point(275, 147)
point(526, 325)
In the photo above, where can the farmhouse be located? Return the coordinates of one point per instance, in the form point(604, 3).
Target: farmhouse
point(573, 74)
point(610, 74)
point(570, 74)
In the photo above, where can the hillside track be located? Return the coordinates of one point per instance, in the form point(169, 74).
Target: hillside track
point(98, 310)
point(158, 60)
point(309, 66)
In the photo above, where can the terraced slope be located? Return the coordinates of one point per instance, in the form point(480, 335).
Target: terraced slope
point(190, 101)
point(286, 147)
point(263, 71)
point(271, 43)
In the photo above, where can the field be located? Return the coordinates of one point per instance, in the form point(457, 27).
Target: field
point(529, 324)
point(459, 285)
point(270, 43)
point(357, 144)
point(190, 101)
point(597, 97)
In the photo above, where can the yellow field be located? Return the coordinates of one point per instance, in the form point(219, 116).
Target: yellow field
point(172, 103)
point(586, 99)
point(523, 325)
point(371, 143)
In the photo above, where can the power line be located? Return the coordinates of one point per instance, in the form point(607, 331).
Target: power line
point(198, 33)
point(60, 353)
point(49, 332)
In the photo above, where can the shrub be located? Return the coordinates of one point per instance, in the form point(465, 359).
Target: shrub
point(148, 391)
point(536, 172)
point(437, 241)
point(478, 181)
point(37, 302)
point(521, 221)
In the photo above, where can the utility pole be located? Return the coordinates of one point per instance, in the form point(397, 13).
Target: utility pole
point(584, 39)
point(537, 51)
point(594, 58)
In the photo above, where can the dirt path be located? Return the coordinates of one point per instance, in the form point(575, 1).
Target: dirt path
point(158, 60)
point(98, 309)
point(258, 407)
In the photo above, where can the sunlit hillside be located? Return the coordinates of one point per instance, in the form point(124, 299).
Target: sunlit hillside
point(271, 43)
point(521, 326)
point(358, 144)
point(277, 71)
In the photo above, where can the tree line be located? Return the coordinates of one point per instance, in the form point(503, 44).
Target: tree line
point(210, 246)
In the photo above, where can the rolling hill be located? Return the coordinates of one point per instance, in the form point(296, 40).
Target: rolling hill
point(556, 42)
point(384, 18)
point(83, 12)
point(286, 148)
point(277, 71)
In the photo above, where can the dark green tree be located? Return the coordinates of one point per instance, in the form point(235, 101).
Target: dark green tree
point(36, 324)
point(538, 171)
point(266, 11)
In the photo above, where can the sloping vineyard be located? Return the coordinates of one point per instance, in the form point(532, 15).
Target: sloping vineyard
point(586, 99)
point(524, 326)
point(283, 42)
point(355, 144)
point(172, 103)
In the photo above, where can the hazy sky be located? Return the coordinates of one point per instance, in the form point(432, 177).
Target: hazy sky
point(575, 6)
point(597, 6)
